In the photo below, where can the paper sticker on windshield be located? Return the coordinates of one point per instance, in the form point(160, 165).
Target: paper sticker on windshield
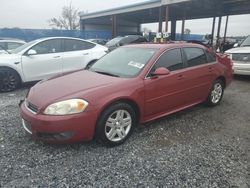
point(136, 64)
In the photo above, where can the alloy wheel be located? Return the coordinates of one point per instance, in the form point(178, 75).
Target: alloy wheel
point(118, 125)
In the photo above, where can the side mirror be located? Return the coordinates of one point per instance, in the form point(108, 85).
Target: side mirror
point(31, 52)
point(161, 71)
point(236, 45)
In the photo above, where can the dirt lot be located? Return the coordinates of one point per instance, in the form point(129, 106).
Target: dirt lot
point(198, 147)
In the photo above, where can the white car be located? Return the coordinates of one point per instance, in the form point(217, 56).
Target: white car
point(241, 57)
point(43, 58)
point(7, 45)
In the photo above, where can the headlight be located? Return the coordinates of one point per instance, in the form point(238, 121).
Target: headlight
point(72, 106)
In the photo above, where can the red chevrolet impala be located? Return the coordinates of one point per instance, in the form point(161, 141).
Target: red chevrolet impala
point(133, 84)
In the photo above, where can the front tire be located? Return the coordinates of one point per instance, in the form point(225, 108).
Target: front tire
point(9, 80)
point(115, 124)
point(216, 93)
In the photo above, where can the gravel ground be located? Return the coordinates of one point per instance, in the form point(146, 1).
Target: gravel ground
point(198, 147)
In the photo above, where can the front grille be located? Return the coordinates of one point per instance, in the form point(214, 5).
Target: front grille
point(33, 108)
point(241, 57)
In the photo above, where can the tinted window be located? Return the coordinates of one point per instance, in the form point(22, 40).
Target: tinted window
point(195, 56)
point(76, 45)
point(171, 60)
point(47, 47)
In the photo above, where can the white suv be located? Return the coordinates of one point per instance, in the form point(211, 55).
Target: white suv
point(241, 57)
point(43, 58)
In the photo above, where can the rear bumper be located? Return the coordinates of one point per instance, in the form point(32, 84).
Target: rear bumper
point(59, 129)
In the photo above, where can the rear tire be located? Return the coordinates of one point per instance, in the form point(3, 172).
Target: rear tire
point(115, 124)
point(216, 93)
point(9, 80)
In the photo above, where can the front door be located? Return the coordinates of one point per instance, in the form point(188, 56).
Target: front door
point(166, 93)
point(45, 63)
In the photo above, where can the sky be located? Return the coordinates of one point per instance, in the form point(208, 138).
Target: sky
point(34, 14)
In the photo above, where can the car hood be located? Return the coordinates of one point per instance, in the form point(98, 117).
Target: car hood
point(245, 49)
point(79, 84)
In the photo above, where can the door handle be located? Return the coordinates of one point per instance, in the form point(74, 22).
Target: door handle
point(85, 54)
point(57, 56)
point(210, 69)
point(180, 77)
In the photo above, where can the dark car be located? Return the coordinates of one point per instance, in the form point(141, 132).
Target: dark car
point(130, 85)
point(121, 41)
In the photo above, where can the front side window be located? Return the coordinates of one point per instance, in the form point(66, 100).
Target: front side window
point(172, 60)
point(124, 62)
point(195, 56)
point(47, 47)
point(77, 45)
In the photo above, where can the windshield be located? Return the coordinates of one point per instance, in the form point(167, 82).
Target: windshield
point(123, 62)
point(21, 48)
point(113, 41)
point(246, 42)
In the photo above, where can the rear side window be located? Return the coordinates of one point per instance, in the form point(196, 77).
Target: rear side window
point(172, 60)
point(195, 56)
point(77, 45)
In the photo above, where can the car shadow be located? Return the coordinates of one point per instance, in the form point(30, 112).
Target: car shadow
point(245, 78)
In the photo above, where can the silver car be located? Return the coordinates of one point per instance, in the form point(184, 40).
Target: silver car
point(241, 57)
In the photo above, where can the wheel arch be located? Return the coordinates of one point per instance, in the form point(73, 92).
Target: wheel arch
point(223, 79)
point(11, 68)
point(128, 101)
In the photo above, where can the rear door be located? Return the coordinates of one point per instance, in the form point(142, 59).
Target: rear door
point(199, 73)
point(46, 63)
point(77, 54)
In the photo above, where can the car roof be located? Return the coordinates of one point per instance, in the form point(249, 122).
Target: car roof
point(49, 38)
point(172, 44)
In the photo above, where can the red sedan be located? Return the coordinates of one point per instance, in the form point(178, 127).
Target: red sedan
point(132, 84)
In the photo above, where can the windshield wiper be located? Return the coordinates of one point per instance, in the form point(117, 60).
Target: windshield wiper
point(106, 73)
point(246, 45)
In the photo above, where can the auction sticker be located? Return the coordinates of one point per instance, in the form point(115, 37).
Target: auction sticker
point(136, 64)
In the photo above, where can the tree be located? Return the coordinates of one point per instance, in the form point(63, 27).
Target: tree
point(68, 20)
point(187, 31)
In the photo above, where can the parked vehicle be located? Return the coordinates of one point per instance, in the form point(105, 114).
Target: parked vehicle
point(7, 45)
point(99, 41)
point(43, 58)
point(121, 41)
point(241, 57)
point(130, 85)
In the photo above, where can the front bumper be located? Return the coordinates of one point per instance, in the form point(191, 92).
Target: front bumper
point(59, 129)
point(241, 68)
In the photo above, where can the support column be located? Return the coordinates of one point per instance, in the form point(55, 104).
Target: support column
point(225, 32)
point(173, 29)
point(218, 34)
point(183, 25)
point(114, 26)
point(166, 19)
point(160, 20)
point(213, 27)
point(138, 28)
